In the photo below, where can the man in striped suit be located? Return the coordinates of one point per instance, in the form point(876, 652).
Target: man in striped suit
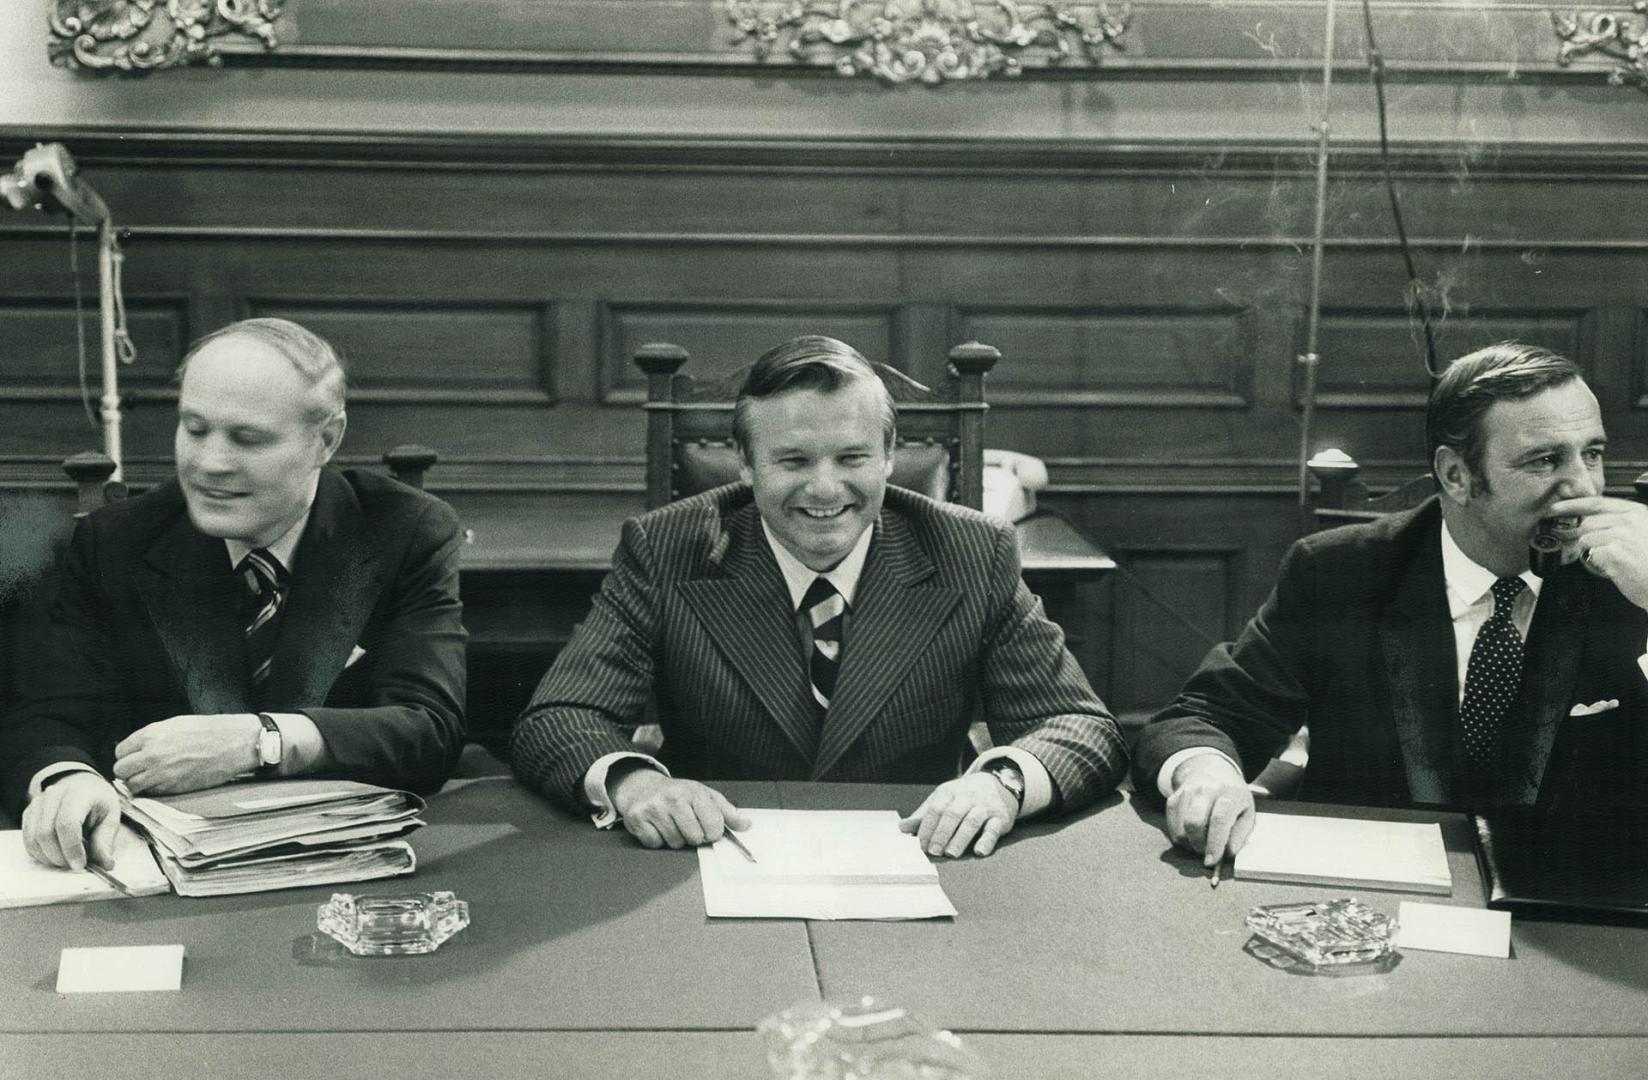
point(262, 613)
point(811, 623)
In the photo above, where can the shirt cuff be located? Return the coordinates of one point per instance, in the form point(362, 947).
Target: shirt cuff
point(56, 769)
point(1038, 785)
point(302, 746)
point(1642, 662)
point(595, 785)
point(1164, 779)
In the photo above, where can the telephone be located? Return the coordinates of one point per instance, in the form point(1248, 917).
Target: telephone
point(1011, 480)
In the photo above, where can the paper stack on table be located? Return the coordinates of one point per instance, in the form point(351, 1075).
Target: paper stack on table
point(822, 864)
point(278, 834)
point(1399, 855)
point(24, 882)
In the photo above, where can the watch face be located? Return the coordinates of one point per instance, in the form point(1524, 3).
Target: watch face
point(269, 748)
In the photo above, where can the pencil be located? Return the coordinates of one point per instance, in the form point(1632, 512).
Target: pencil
point(739, 844)
point(109, 877)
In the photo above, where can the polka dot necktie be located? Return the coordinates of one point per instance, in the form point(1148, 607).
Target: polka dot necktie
point(1492, 678)
point(824, 607)
point(265, 580)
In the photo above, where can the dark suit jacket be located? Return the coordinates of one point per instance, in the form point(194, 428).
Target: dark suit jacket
point(696, 617)
point(146, 626)
point(1357, 642)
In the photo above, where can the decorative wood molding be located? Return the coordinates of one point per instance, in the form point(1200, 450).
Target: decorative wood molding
point(1619, 39)
point(147, 35)
point(929, 41)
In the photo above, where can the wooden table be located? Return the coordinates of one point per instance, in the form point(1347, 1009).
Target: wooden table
point(1087, 948)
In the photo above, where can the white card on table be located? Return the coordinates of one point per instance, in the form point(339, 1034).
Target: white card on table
point(120, 968)
point(1440, 928)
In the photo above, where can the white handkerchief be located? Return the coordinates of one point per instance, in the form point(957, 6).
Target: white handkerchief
point(1441, 928)
point(120, 967)
point(1594, 708)
point(354, 654)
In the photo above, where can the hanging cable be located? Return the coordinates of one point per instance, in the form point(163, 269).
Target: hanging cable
point(1416, 289)
point(80, 322)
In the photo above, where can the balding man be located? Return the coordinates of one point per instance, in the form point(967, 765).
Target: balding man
point(262, 614)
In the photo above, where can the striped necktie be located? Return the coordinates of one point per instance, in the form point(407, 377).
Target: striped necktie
point(266, 584)
point(1492, 678)
point(824, 607)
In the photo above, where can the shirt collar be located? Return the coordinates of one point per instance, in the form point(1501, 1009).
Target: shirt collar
point(285, 548)
point(1468, 581)
point(799, 577)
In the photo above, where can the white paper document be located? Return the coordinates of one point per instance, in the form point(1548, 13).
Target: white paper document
point(24, 882)
point(1437, 927)
point(822, 864)
point(1399, 855)
point(120, 968)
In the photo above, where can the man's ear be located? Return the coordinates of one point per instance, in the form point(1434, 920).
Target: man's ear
point(1453, 475)
point(331, 435)
point(746, 473)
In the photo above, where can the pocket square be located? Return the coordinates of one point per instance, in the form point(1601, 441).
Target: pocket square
point(357, 652)
point(1594, 708)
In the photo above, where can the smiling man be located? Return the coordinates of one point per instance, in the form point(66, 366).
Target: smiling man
point(1429, 662)
point(813, 623)
point(262, 614)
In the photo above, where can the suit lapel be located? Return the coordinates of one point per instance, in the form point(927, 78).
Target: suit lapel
point(1550, 667)
point(892, 622)
point(1416, 639)
point(746, 612)
point(334, 587)
point(193, 599)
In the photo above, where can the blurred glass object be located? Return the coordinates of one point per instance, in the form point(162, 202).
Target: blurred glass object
point(863, 1040)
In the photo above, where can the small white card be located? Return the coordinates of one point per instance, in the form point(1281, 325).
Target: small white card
point(120, 968)
point(1440, 928)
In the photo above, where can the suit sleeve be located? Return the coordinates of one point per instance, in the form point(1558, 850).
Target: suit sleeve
point(596, 692)
point(1248, 697)
point(71, 699)
point(410, 732)
point(1035, 696)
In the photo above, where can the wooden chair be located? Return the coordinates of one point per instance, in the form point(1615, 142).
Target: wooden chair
point(940, 449)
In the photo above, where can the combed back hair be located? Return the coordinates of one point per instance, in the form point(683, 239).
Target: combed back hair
point(1462, 396)
point(308, 352)
point(809, 362)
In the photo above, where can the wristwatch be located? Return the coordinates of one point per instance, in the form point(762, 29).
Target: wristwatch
point(1009, 776)
point(268, 746)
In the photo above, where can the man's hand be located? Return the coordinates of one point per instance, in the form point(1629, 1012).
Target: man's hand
point(187, 753)
point(1612, 542)
point(661, 811)
point(1211, 808)
point(55, 823)
point(948, 820)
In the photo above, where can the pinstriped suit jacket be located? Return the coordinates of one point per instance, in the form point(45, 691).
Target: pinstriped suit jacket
point(695, 618)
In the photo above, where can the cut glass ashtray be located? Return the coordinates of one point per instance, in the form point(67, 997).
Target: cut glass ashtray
point(407, 924)
point(1325, 935)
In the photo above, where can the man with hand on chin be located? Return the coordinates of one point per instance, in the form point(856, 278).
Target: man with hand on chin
point(811, 623)
point(262, 614)
point(1429, 662)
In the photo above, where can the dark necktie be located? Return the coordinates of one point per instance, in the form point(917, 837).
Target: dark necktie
point(1492, 679)
point(265, 579)
point(824, 607)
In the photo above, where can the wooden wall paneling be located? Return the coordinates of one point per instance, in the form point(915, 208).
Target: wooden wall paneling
point(723, 336)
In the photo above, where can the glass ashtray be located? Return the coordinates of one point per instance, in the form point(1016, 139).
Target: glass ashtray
point(1325, 935)
point(403, 925)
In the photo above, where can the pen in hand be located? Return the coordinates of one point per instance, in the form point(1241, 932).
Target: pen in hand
point(108, 876)
point(739, 844)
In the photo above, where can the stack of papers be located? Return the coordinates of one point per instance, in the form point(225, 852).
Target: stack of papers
point(822, 864)
point(24, 882)
point(1399, 855)
point(278, 834)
